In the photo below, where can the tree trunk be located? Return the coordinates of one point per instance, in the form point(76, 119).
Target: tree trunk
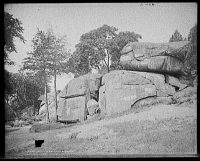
point(99, 70)
point(33, 108)
point(87, 98)
point(46, 99)
point(108, 60)
point(108, 67)
point(56, 104)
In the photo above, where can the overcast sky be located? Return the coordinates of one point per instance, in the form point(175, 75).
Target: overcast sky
point(155, 23)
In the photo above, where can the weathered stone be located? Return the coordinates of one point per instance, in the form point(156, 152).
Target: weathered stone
point(157, 64)
point(40, 127)
point(74, 109)
point(92, 106)
point(124, 77)
point(144, 50)
point(123, 88)
point(61, 105)
point(152, 101)
point(175, 82)
point(155, 57)
point(121, 99)
point(163, 89)
point(79, 85)
point(102, 100)
point(74, 91)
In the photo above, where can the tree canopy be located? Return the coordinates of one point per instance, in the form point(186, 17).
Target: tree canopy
point(21, 91)
point(49, 57)
point(99, 49)
point(12, 29)
point(176, 37)
point(191, 59)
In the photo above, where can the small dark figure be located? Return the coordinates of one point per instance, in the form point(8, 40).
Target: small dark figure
point(38, 143)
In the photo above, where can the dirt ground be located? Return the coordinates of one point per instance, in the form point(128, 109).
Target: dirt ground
point(162, 130)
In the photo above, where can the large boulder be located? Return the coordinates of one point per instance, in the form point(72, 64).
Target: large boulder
point(142, 50)
point(92, 107)
point(145, 103)
point(102, 100)
point(140, 78)
point(164, 89)
point(165, 58)
point(78, 86)
point(175, 82)
point(74, 109)
point(121, 89)
point(72, 102)
point(158, 64)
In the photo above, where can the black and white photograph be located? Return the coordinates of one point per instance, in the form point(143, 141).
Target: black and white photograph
point(100, 80)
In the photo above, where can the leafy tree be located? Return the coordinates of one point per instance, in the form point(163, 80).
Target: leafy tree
point(38, 58)
point(58, 55)
point(191, 58)
point(12, 29)
point(79, 62)
point(9, 94)
point(192, 37)
point(48, 58)
point(176, 37)
point(38, 79)
point(21, 91)
point(99, 49)
point(95, 45)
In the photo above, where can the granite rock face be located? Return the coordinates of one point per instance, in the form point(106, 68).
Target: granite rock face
point(75, 96)
point(165, 58)
point(121, 89)
point(151, 75)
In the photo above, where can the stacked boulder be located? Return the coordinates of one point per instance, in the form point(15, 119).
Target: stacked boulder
point(121, 89)
point(165, 58)
point(151, 74)
point(75, 96)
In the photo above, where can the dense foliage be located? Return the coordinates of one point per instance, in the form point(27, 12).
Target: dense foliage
point(176, 37)
point(48, 57)
point(21, 91)
point(12, 29)
point(99, 49)
point(191, 58)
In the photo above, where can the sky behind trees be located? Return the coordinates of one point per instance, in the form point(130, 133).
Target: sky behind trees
point(155, 23)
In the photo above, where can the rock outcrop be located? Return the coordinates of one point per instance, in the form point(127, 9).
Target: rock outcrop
point(76, 94)
point(165, 58)
point(151, 76)
point(121, 89)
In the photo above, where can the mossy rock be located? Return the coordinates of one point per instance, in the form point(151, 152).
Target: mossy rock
point(40, 127)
